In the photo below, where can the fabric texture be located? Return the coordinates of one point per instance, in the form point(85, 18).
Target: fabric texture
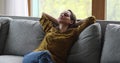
point(24, 36)
point(0, 25)
point(88, 46)
point(10, 59)
point(111, 48)
point(38, 57)
point(4, 28)
point(60, 43)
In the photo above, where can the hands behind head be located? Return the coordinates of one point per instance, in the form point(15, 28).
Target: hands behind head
point(89, 20)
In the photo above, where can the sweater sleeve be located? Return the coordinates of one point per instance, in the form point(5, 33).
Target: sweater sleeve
point(88, 21)
point(46, 23)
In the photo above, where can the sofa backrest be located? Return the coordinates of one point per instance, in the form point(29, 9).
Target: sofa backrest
point(23, 17)
point(103, 24)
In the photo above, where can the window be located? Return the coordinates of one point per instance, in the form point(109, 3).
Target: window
point(81, 8)
point(98, 9)
point(88, 7)
point(113, 10)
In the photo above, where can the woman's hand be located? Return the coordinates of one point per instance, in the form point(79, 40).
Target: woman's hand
point(91, 20)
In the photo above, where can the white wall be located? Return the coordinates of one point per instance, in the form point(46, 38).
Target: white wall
point(14, 7)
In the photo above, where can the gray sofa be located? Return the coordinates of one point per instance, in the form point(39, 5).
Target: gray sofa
point(98, 43)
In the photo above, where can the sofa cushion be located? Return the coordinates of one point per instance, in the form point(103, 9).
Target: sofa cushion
point(87, 48)
point(111, 48)
point(4, 27)
point(10, 59)
point(24, 36)
point(0, 25)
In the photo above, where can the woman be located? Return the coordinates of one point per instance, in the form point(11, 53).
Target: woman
point(60, 36)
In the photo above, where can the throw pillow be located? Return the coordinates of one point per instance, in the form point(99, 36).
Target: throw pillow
point(24, 36)
point(4, 28)
point(87, 48)
point(111, 47)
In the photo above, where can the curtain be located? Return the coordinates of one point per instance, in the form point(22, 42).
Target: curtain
point(14, 7)
point(2, 7)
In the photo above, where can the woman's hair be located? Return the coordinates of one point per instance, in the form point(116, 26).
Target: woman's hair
point(72, 16)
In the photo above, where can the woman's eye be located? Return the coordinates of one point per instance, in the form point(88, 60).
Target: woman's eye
point(65, 14)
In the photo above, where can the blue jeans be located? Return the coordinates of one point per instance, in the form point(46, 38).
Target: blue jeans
point(38, 57)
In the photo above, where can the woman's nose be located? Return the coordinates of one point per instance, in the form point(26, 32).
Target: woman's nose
point(62, 15)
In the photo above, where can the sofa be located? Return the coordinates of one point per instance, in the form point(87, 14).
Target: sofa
point(98, 43)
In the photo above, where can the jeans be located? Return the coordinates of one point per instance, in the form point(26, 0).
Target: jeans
point(38, 57)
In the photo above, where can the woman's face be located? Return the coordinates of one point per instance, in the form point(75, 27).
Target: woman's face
point(65, 17)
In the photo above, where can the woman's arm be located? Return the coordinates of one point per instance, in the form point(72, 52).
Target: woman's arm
point(79, 22)
point(51, 18)
point(88, 21)
point(91, 18)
